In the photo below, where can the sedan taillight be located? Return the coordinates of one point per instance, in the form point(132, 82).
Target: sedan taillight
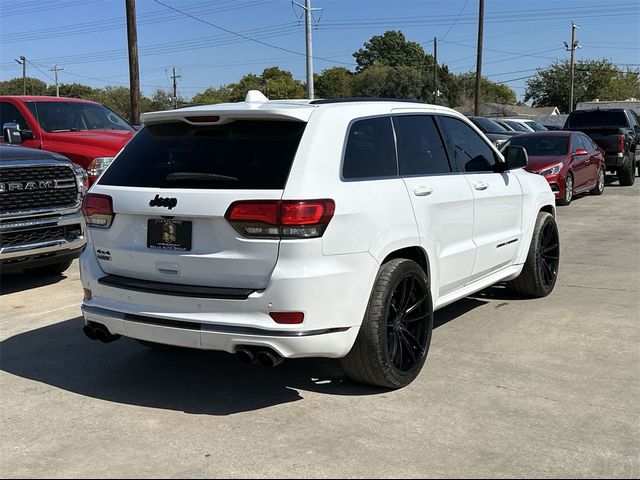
point(281, 218)
point(98, 210)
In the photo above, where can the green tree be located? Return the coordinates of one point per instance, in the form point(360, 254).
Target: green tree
point(593, 79)
point(273, 82)
point(391, 49)
point(491, 91)
point(382, 81)
point(15, 86)
point(212, 95)
point(336, 82)
point(74, 90)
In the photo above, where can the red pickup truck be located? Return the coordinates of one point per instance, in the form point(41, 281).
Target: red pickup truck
point(86, 132)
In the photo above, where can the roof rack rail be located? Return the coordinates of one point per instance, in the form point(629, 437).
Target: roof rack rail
point(325, 101)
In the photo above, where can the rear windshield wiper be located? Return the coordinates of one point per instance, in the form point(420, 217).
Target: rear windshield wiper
point(186, 176)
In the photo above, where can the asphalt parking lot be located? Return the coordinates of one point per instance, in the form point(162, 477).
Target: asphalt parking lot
point(512, 387)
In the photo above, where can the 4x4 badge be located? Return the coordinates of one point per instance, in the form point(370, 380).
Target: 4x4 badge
point(158, 201)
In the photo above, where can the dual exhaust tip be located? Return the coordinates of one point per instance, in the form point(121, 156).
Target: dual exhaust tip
point(246, 355)
point(97, 331)
point(265, 357)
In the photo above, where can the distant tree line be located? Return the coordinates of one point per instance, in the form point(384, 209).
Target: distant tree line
point(387, 66)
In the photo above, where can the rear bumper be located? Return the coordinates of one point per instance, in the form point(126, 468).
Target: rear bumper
point(331, 291)
point(614, 160)
point(228, 338)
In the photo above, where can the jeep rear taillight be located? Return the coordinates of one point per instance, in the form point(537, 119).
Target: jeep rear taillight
point(281, 218)
point(98, 210)
point(620, 143)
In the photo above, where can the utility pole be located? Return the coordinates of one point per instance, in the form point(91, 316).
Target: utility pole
point(435, 71)
point(479, 60)
point(572, 49)
point(175, 87)
point(307, 14)
point(23, 62)
point(55, 69)
point(134, 69)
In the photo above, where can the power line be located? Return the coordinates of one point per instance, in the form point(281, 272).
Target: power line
point(456, 20)
point(241, 35)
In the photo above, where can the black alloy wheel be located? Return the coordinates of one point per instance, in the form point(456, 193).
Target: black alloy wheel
point(549, 255)
point(407, 331)
point(393, 341)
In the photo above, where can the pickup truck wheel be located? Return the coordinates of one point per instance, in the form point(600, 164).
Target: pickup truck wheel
point(568, 191)
point(395, 335)
point(540, 270)
point(599, 188)
point(627, 173)
point(49, 270)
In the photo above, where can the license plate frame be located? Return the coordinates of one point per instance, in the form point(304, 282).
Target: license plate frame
point(169, 234)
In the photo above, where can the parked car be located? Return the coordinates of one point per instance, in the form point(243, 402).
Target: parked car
point(42, 228)
point(570, 161)
point(327, 228)
point(617, 131)
point(86, 132)
point(494, 131)
point(519, 123)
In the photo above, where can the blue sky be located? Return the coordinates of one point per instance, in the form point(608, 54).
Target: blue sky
point(88, 37)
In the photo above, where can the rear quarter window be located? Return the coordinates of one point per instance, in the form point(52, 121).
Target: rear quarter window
point(252, 155)
point(370, 150)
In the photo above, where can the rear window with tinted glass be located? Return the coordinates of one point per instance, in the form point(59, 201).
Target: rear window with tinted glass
point(596, 118)
point(250, 155)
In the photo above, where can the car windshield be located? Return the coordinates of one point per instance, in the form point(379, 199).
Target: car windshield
point(76, 116)
point(539, 145)
point(537, 127)
point(516, 126)
point(489, 126)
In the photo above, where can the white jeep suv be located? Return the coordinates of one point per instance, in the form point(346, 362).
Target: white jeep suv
point(327, 228)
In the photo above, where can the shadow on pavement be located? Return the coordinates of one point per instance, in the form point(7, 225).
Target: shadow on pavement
point(197, 382)
point(17, 282)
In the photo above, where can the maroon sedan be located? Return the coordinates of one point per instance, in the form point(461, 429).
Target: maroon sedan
point(570, 161)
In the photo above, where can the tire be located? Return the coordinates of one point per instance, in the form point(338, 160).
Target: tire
point(568, 191)
point(391, 348)
point(540, 272)
point(599, 188)
point(49, 270)
point(627, 173)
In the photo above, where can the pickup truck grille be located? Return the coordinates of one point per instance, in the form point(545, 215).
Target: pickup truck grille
point(40, 235)
point(30, 188)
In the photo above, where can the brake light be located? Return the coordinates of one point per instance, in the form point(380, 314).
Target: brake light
point(98, 210)
point(281, 219)
point(620, 143)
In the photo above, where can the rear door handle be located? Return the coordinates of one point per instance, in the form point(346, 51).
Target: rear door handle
point(422, 191)
point(480, 185)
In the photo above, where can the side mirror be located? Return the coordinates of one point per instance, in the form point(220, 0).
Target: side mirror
point(11, 133)
point(581, 151)
point(515, 157)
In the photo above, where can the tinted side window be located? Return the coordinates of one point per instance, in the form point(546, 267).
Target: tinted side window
point(370, 149)
point(471, 152)
point(243, 154)
point(420, 147)
point(578, 143)
point(10, 114)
